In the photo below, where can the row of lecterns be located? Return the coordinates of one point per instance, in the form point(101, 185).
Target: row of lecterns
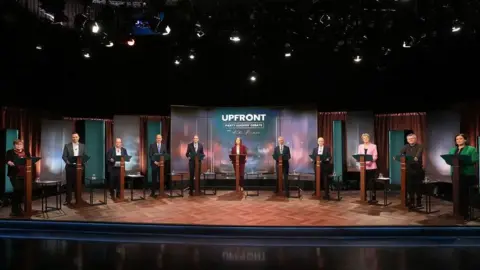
point(237, 159)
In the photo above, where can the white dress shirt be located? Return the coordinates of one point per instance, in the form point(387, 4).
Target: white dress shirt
point(118, 152)
point(195, 145)
point(320, 150)
point(75, 149)
point(238, 149)
point(281, 149)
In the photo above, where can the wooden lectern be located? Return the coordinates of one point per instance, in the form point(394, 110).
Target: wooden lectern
point(362, 159)
point(122, 160)
point(318, 175)
point(197, 158)
point(79, 161)
point(28, 182)
point(236, 159)
point(403, 178)
point(454, 161)
point(280, 187)
point(161, 158)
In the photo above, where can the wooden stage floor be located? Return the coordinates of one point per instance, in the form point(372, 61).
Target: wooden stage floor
point(265, 210)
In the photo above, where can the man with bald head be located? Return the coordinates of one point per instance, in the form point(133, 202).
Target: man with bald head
point(70, 150)
point(193, 147)
point(156, 148)
point(283, 150)
point(113, 167)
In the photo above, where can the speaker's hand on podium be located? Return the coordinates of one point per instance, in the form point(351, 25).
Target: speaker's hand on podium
point(156, 163)
point(112, 160)
point(415, 158)
point(10, 163)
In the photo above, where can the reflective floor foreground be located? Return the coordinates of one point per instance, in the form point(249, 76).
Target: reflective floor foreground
point(65, 255)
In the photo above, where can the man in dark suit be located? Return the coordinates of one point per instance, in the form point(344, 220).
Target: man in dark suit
point(284, 150)
point(70, 150)
point(156, 148)
point(193, 147)
point(325, 166)
point(113, 167)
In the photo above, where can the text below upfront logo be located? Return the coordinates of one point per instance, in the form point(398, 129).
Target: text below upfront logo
point(244, 117)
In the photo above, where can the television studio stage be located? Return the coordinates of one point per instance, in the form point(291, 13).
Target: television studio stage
point(219, 200)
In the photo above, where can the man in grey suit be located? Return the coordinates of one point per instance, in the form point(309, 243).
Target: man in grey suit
point(73, 149)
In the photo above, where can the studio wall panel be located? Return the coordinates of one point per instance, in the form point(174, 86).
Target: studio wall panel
point(356, 124)
point(338, 149)
point(127, 128)
point(95, 148)
point(396, 139)
point(442, 126)
point(6, 139)
point(55, 134)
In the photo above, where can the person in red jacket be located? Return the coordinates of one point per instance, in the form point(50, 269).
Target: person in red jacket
point(240, 149)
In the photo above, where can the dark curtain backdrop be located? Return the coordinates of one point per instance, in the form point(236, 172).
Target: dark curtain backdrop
point(325, 125)
point(470, 123)
point(108, 135)
point(28, 123)
point(165, 123)
point(402, 121)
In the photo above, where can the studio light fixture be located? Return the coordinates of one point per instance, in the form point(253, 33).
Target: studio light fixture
point(288, 50)
point(191, 54)
point(235, 37)
point(177, 61)
point(253, 77)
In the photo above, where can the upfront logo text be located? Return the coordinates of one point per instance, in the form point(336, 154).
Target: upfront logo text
point(244, 117)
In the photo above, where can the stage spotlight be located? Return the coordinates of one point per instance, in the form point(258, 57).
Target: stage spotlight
point(131, 42)
point(456, 26)
point(288, 50)
point(357, 59)
point(39, 47)
point(253, 77)
point(167, 31)
point(109, 44)
point(191, 55)
point(177, 61)
point(95, 28)
point(235, 37)
point(409, 42)
point(199, 30)
point(86, 54)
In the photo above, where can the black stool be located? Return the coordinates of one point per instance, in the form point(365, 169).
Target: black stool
point(130, 179)
point(44, 184)
point(386, 182)
point(92, 182)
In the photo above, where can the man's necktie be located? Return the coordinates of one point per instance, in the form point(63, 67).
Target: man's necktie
point(196, 147)
point(159, 146)
point(281, 149)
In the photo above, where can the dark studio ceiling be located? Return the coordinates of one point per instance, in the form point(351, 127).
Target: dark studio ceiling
point(414, 55)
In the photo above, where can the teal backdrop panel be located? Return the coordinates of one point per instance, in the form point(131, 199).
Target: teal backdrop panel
point(478, 146)
point(153, 129)
point(338, 146)
point(95, 148)
point(396, 140)
point(10, 136)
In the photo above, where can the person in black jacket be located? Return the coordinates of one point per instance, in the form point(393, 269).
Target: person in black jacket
point(16, 173)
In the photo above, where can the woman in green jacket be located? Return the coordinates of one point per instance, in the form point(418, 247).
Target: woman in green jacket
point(468, 175)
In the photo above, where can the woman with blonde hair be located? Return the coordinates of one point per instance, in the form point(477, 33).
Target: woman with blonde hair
point(368, 148)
